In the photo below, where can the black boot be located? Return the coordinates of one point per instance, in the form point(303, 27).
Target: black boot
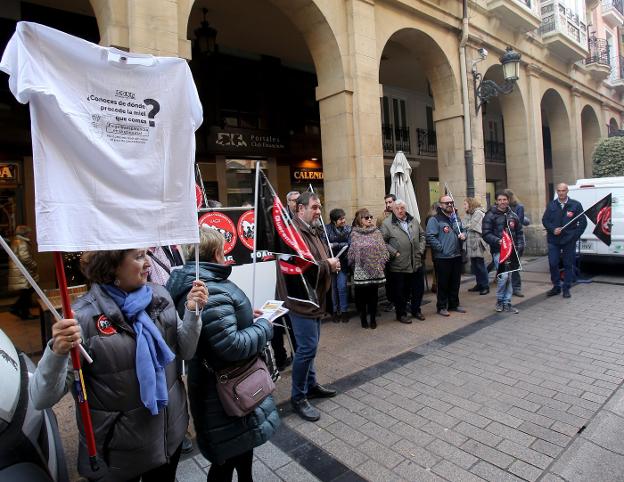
point(363, 320)
point(373, 322)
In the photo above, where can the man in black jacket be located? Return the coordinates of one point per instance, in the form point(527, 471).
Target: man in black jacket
point(496, 220)
point(561, 242)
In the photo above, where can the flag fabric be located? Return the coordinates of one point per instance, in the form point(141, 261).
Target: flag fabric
point(600, 215)
point(508, 260)
point(276, 233)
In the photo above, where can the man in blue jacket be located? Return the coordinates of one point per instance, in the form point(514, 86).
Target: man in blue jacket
point(562, 242)
point(445, 235)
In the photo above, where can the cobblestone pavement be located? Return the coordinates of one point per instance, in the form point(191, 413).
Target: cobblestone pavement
point(502, 399)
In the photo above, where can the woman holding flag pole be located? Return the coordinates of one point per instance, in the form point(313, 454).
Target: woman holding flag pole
point(132, 331)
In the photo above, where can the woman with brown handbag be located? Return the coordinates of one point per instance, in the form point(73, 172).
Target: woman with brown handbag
point(229, 337)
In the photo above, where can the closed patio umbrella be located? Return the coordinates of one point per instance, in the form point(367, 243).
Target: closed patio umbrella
point(401, 183)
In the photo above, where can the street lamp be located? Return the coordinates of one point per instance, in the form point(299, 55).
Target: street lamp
point(206, 37)
point(486, 89)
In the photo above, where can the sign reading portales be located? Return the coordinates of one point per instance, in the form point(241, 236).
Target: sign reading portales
point(245, 141)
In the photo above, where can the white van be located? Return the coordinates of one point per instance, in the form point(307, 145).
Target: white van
point(588, 192)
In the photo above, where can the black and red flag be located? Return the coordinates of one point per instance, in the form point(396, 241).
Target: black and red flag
point(508, 260)
point(276, 233)
point(600, 215)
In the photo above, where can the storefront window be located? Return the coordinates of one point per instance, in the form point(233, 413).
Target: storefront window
point(240, 178)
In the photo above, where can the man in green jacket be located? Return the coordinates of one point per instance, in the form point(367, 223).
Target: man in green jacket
point(406, 243)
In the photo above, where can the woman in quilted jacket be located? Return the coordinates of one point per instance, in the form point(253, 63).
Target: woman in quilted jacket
point(367, 255)
point(228, 336)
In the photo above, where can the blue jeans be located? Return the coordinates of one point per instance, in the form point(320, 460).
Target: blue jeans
point(307, 333)
point(566, 254)
point(480, 272)
point(339, 292)
point(504, 287)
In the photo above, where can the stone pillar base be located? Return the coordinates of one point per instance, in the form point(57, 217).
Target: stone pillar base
point(535, 239)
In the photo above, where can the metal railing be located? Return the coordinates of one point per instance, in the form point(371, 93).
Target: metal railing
point(494, 151)
point(395, 138)
point(387, 137)
point(402, 139)
point(598, 52)
point(615, 4)
point(557, 17)
point(427, 142)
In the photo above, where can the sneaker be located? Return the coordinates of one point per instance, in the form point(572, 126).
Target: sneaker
point(388, 307)
point(554, 291)
point(511, 308)
point(443, 312)
point(519, 294)
point(485, 291)
point(305, 410)
point(566, 294)
point(404, 319)
point(458, 309)
point(499, 306)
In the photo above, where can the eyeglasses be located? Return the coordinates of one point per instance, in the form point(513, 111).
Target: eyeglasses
point(367, 217)
point(450, 203)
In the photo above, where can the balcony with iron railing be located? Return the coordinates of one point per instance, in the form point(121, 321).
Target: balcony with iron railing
point(598, 62)
point(521, 15)
point(612, 12)
point(563, 32)
point(395, 138)
point(398, 139)
point(427, 142)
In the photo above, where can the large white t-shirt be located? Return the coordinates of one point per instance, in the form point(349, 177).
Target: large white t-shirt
point(113, 141)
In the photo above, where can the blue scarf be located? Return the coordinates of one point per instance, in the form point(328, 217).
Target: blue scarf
point(152, 352)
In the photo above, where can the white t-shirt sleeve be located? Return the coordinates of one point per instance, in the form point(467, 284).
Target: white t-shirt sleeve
point(195, 105)
point(20, 60)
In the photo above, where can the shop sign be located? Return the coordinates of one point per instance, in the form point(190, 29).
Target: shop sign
point(307, 175)
point(9, 172)
point(248, 141)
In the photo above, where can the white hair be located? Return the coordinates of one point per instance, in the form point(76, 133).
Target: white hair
point(400, 202)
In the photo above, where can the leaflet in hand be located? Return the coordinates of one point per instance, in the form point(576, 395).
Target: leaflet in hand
point(273, 309)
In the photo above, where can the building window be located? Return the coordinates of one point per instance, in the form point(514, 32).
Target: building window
point(394, 125)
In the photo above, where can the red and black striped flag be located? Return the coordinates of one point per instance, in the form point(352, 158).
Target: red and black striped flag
point(508, 260)
point(276, 233)
point(600, 215)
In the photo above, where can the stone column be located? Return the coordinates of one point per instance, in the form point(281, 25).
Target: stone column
point(534, 193)
point(112, 19)
point(449, 127)
point(576, 128)
point(153, 27)
point(351, 121)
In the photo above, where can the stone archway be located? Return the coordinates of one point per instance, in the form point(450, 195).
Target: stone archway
point(590, 126)
point(613, 125)
point(413, 61)
point(558, 156)
point(515, 135)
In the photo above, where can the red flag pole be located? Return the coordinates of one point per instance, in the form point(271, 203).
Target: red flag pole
point(81, 393)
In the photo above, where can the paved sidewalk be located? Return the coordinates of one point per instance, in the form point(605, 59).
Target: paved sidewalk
point(501, 399)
